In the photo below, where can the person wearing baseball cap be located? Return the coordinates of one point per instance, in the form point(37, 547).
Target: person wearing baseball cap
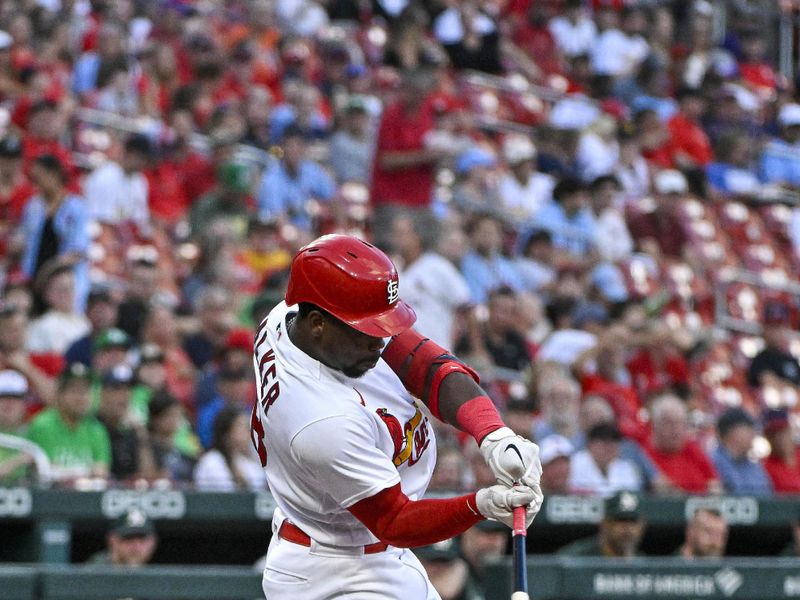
point(351, 143)
point(620, 531)
point(448, 571)
point(131, 455)
point(774, 364)
point(130, 542)
point(74, 440)
point(523, 190)
point(110, 348)
point(101, 310)
point(482, 543)
point(555, 452)
point(780, 161)
point(13, 395)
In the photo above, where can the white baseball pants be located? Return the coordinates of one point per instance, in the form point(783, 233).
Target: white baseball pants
point(296, 572)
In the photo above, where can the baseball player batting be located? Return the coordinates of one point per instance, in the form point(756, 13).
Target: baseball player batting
point(347, 451)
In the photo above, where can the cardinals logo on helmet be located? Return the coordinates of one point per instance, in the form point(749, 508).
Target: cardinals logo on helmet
point(409, 440)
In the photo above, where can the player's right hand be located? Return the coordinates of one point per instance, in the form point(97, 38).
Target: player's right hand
point(498, 502)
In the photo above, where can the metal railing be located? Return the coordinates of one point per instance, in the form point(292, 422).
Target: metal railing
point(40, 459)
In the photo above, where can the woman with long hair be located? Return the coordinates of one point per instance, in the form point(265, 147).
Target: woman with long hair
point(231, 463)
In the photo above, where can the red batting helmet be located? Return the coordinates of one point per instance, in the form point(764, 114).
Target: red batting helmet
point(352, 280)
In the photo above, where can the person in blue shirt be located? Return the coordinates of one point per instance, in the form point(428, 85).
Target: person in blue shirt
point(780, 158)
point(569, 219)
point(289, 184)
point(55, 223)
point(738, 473)
point(235, 390)
point(484, 267)
point(110, 50)
point(732, 174)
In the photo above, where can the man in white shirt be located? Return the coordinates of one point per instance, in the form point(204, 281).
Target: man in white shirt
point(523, 190)
point(599, 469)
point(574, 31)
point(61, 324)
point(614, 241)
point(118, 192)
point(429, 282)
point(619, 52)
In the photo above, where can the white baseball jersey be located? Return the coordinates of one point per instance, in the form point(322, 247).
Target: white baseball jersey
point(329, 440)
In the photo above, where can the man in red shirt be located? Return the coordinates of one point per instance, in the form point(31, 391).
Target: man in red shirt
point(756, 71)
point(15, 188)
point(658, 230)
point(783, 462)
point(45, 127)
point(403, 171)
point(678, 457)
point(690, 145)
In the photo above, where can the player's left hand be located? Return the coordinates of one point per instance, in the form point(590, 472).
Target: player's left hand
point(512, 458)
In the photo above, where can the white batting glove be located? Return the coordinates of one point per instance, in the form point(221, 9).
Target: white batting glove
point(512, 458)
point(498, 502)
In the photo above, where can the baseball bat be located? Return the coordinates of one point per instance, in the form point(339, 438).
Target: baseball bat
point(520, 558)
point(520, 567)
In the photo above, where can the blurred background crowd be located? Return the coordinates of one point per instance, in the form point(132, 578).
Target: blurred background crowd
point(591, 202)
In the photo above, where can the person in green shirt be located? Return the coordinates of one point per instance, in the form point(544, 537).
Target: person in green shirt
point(620, 533)
point(74, 440)
point(14, 464)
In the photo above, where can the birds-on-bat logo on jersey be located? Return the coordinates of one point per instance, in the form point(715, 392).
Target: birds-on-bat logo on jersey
point(410, 440)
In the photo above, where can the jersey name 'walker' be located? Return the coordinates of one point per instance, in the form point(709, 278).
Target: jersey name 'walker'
point(325, 452)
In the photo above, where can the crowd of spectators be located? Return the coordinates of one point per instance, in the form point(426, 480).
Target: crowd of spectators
point(571, 191)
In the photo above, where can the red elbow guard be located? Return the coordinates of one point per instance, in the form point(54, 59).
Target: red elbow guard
point(422, 365)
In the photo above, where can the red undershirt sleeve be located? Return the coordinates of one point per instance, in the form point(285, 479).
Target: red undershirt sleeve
point(399, 521)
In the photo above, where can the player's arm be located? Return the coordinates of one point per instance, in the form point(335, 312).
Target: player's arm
point(338, 455)
point(397, 520)
point(451, 390)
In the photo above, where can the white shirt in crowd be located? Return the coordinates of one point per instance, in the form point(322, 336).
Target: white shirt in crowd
point(213, 475)
point(573, 39)
point(794, 230)
point(113, 196)
point(586, 476)
point(534, 274)
point(617, 54)
point(596, 156)
point(634, 179)
point(435, 289)
point(525, 200)
point(448, 27)
point(55, 331)
point(301, 17)
point(614, 241)
point(565, 345)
